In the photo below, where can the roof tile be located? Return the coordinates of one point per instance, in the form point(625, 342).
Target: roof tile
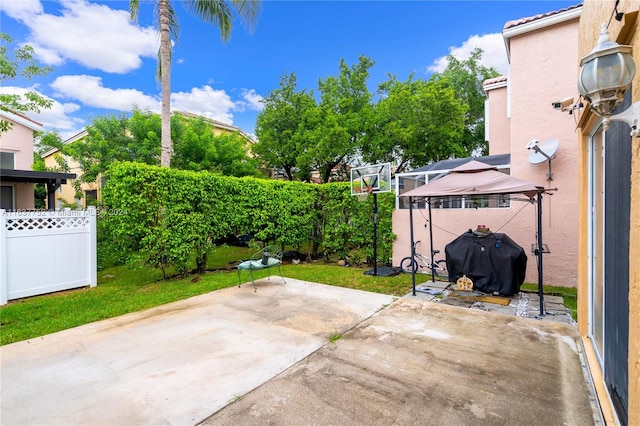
point(521, 21)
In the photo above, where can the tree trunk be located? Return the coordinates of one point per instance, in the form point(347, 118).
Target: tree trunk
point(288, 172)
point(165, 81)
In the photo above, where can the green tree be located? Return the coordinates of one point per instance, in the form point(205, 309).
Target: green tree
point(199, 149)
point(25, 66)
point(466, 78)
point(232, 157)
point(344, 115)
point(48, 141)
point(283, 127)
point(117, 138)
point(416, 122)
point(218, 12)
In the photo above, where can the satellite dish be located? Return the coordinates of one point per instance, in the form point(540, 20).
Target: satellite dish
point(541, 152)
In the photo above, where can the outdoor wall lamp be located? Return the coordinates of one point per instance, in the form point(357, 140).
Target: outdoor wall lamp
point(605, 74)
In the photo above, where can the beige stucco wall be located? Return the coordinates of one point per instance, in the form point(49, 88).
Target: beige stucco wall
point(543, 70)
point(499, 122)
point(594, 13)
point(25, 196)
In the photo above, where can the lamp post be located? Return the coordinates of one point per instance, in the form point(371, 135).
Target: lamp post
point(605, 74)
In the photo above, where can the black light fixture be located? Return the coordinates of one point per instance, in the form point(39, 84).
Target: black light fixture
point(619, 15)
point(605, 74)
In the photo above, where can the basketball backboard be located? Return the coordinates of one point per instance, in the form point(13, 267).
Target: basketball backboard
point(371, 179)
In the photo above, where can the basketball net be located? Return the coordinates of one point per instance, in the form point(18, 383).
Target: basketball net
point(364, 193)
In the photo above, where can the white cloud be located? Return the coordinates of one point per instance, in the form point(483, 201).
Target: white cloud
point(21, 9)
point(46, 55)
point(494, 53)
point(90, 92)
point(205, 101)
point(90, 34)
point(55, 118)
point(251, 100)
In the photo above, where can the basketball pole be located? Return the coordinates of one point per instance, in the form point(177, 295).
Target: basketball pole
point(375, 234)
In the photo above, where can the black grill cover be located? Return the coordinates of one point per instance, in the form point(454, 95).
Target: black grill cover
point(494, 262)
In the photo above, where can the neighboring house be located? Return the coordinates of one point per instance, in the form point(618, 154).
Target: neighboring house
point(219, 128)
point(609, 228)
point(16, 157)
point(67, 194)
point(542, 52)
point(91, 192)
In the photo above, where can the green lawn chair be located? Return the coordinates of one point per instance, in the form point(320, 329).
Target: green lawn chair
point(267, 258)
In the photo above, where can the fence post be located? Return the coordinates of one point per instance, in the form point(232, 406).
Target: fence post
point(93, 247)
point(4, 276)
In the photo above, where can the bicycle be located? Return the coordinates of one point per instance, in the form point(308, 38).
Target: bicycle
point(423, 264)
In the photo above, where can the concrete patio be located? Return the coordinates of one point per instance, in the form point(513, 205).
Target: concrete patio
point(299, 353)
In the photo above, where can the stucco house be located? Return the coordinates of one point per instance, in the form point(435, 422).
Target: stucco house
point(67, 194)
point(603, 168)
point(609, 226)
point(16, 159)
point(519, 108)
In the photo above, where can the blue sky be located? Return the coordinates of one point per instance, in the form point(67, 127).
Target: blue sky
point(104, 63)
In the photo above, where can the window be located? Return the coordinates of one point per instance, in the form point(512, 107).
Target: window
point(7, 160)
point(91, 197)
point(7, 200)
point(407, 183)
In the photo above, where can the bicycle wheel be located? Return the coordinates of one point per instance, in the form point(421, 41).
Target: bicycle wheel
point(408, 265)
point(441, 269)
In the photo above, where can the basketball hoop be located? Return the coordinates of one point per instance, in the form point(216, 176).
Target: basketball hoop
point(373, 179)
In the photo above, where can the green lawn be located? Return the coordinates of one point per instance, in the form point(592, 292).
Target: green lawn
point(122, 290)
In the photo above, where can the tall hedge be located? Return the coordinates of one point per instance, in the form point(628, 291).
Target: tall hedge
point(174, 216)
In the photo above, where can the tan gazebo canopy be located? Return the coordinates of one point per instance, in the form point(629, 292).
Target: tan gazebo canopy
point(476, 178)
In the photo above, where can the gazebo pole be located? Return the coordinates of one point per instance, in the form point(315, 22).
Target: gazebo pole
point(433, 271)
point(413, 250)
point(539, 254)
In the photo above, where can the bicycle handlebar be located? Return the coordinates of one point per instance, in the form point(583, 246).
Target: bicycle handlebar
point(433, 253)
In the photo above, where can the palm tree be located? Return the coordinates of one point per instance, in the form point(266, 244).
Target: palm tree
point(213, 11)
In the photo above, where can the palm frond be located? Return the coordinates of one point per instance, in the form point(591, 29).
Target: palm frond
point(174, 25)
point(134, 10)
point(159, 69)
point(248, 10)
point(215, 12)
point(221, 12)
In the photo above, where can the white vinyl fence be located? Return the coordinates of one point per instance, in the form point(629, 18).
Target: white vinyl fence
point(46, 251)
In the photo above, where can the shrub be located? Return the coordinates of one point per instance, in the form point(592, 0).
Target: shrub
point(175, 216)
